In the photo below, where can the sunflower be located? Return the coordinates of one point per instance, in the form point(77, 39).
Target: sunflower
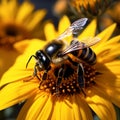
point(90, 7)
point(17, 22)
point(48, 101)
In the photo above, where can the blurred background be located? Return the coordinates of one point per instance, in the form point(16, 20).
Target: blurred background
point(106, 12)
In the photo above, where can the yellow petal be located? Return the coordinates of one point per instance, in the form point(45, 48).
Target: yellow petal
point(73, 108)
point(32, 108)
point(108, 50)
point(112, 92)
point(63, 24)
point(111, 67)
point(104, 36)
point(107, 44)
point(7, 59)
point(24, 11)
point(50, 32)
point(16, 92)
point(110, 75)
point(81, 107)
point(66, 110)
point(108, 53)
point(36, 18)
point(22, 45)
point(46, 111)
point(114, 67)
point(114, 95)
point(107, 80)
point(6, 6)
point(100, 104)
point(89, 31)
point(113, 41)
point(18, 70)
point(76, 108)
point(13, 7)
point(57, 110)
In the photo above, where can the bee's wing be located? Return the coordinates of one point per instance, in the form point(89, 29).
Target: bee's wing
point(77, 45)
point(90, 41)
point(75, 27)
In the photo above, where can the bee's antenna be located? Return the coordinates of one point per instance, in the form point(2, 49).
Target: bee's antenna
point(30, 59)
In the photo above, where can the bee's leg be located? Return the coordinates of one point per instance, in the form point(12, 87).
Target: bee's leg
point(35, 71)
point(80, 72)
point(60, 77)
point(81, 80)
point(44, 77)
point(45, 73)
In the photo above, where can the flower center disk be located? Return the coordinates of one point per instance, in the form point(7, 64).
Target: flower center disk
point(11, 33)
point(69, 83)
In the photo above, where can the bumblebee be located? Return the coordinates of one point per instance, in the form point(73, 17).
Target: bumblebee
point(58, 51)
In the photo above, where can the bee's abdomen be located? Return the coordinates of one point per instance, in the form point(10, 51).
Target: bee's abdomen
point(86, 55)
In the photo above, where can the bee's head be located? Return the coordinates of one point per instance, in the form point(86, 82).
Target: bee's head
point(42, 60)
